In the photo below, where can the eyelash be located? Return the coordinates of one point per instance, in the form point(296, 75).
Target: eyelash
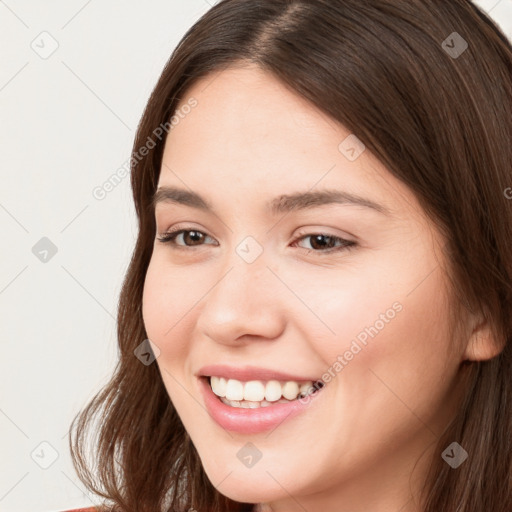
point(170, 237)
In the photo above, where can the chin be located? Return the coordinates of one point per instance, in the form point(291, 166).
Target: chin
point(245, 486)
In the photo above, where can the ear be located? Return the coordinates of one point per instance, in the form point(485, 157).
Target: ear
point(481, 344)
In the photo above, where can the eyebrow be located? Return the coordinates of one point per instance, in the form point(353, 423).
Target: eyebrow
point(278, 205)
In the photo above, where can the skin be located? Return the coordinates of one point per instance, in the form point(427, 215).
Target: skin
point(249, 140)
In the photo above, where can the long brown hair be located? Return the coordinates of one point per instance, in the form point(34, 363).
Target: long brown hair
point(438, 114)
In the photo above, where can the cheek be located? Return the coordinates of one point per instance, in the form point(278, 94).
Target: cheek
point(365, 303)
point(389, 377)
point(152, 303)
point(388, 319)
point(168, 319)
point(165, 306)
point(406, 365)
point(354, 307)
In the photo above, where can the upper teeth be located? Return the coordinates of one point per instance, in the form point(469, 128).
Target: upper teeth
point(257, 391)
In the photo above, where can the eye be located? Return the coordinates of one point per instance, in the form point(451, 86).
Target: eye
point(327, 243)
point(322, 243)
point(171, 236)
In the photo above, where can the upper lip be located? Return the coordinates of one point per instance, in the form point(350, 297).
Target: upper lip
point(248, 373)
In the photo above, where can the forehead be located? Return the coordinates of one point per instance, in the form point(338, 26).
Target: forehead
point(250, 133)
point(250, 99)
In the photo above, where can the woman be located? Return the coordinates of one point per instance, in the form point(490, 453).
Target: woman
point(317, 314)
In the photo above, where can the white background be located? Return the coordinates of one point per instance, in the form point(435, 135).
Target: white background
point(67, 124)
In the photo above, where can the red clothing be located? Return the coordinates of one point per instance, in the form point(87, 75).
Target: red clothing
point(91, 509)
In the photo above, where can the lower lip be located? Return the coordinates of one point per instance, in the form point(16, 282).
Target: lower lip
point(251, 421)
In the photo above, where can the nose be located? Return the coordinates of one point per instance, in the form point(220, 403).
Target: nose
point(245, 301)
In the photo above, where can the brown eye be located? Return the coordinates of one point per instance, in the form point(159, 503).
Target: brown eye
point(324, 243)
point(321, 243)
point(189, 235)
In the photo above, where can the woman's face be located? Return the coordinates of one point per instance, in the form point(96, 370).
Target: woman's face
point(247, 286)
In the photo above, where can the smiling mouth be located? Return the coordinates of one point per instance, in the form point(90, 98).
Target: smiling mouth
point(255, 394)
